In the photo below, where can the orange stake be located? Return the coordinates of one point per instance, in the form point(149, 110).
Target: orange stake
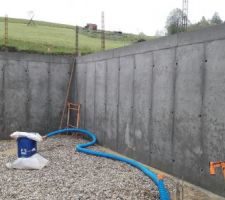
point(160, 176)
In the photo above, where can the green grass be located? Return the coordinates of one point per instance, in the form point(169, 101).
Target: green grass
point(54, 38)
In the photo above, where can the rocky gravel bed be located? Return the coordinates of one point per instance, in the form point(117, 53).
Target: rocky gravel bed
point(6, 144)
point(73, 175)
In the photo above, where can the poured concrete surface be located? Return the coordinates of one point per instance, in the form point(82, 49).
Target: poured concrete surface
point(32, 91)
point(161, 102)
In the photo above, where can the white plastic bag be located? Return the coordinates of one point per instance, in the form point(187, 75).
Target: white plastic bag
point(33, 136)
point(34, 162)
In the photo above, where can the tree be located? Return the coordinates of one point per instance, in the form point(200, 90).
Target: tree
point(203, 22)
point(216, 19)
point(141, 37)
point(174, 21)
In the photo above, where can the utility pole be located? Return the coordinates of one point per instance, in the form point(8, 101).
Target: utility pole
point(6, 33)
point(77, 41)
point(184, 14)
point(31, 21)
point(103, 32)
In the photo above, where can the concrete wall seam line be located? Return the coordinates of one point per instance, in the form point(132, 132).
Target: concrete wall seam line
point(85, 96)
point(118, 100)
point(133, 103)
point(203, 78)
point(105, 98)
point(150, 129)
point(3, 94)
point(94, 128)
point(173, 111)
point(28, 97)
point(49, 96)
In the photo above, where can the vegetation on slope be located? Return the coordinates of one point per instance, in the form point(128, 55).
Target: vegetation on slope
point(45, 37)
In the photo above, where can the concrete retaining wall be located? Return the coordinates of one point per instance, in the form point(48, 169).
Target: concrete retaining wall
point(161, 102)
point(32, 91)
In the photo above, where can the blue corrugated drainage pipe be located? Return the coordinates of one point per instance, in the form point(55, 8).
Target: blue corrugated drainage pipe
point(163, 192)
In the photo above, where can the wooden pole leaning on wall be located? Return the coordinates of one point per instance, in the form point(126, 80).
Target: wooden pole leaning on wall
point(72, 70)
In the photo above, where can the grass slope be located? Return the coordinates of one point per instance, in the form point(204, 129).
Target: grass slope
point(44, 37)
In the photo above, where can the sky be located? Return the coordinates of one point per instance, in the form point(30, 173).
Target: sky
point(130, 16)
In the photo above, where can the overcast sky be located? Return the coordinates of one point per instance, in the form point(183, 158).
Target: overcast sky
point(133, 16)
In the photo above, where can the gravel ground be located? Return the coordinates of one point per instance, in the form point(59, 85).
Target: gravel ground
point(73, 175)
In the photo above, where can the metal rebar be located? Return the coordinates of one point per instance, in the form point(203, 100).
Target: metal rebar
point(6, 33)
point(77, 41)
point(103, 32)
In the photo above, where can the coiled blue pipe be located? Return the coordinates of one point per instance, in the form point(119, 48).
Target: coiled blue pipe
point(163, 192)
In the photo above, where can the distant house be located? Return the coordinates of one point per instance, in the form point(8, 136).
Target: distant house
point(92, 27)
point(118, 32)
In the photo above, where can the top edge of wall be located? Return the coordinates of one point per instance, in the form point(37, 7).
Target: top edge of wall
point(187, 38)
point(33, 57)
